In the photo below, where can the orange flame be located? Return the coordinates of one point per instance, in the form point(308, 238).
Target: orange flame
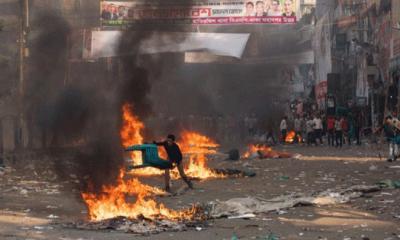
point(291, 136)
point(197, 147)
point(255, 149)
point(263, 151)
point(131, 134)
point(113, 200)
point(192, 144)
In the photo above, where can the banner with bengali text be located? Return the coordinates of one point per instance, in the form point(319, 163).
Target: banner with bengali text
point(118, 13)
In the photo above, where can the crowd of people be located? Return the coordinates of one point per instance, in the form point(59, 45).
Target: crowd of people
point(311, 130)
point(316, 129)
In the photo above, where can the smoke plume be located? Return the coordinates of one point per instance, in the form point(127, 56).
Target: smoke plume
point(70, 114)
point(86, 112)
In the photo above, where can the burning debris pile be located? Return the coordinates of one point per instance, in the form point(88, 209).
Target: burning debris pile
point(292, 137)
point(233, 208)
point(140, 226)
point(263, 151)
point(129, 205)
point(113, 200)
point(143, 217)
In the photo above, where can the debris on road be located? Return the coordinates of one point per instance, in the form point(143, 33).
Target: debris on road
point(140, 226)
point(389, 183)
point(243, 206)
point(236, 172)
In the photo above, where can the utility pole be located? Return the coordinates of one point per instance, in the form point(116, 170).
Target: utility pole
point(23, 52)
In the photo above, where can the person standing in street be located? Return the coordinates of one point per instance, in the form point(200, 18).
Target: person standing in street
point(345, 130)
point(393, 138)
point(310, 131)
point(357, 128)
point(283, 127)
point(330, 126)
point(318, 128)
point(338, 132)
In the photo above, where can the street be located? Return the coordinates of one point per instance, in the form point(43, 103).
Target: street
point(34, 205)
point(199, 119)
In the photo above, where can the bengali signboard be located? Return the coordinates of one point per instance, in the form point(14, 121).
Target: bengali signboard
point(117, 13)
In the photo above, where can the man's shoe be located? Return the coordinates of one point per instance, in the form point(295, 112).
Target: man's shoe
point(389, 160)
point(190, 185)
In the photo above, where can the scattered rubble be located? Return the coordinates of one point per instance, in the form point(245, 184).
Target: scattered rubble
point(140, 226)
point(243, 206)
point(235, 172)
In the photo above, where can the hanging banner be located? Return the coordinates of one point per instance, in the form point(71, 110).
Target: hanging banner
point(105, 43)
point(323, 61)
point(117, 13)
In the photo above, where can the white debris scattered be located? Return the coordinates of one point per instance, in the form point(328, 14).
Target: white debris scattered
point(373, 168)
point(250, 205)
point(397, 166)
point(51, 207)
point(248, 215)
point(24, 192)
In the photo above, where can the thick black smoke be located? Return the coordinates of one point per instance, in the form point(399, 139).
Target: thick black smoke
point(85, 114)
point(229, 87)
point(141, 71)
point(71, 114)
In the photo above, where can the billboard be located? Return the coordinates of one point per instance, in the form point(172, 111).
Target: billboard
point(211, 12)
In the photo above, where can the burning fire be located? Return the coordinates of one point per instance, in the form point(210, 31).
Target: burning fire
point(255, 149)
point(290, 137)
point(113, 200)
point(131, 131)
point(197, 146)
point(131, 134)
point(263, 151)
point(192, 144)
